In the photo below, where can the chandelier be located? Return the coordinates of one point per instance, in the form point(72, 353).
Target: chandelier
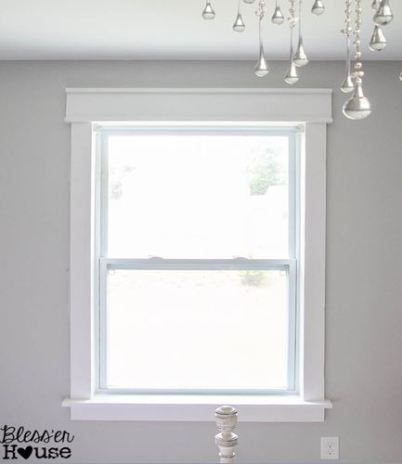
point(357, 106)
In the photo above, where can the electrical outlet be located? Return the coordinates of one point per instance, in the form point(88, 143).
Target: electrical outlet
point(330, 448)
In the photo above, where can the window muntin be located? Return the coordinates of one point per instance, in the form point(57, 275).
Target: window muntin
point(189, 221)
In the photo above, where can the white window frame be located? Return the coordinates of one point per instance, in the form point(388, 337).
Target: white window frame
point(103, 263)
point(307, 108)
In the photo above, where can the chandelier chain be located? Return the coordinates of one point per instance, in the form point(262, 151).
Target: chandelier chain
point(358, 67)
point(300, 16)
point(348, 30)
point(260, 12)
point(292, 14)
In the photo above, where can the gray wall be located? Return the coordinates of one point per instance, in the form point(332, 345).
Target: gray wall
point(364, 278)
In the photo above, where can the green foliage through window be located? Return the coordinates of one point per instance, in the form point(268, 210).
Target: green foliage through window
point(265, 171)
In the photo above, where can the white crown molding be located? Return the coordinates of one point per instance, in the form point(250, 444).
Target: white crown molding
point(198, 104)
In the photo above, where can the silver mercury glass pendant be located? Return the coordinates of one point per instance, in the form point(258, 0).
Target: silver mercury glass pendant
point(378, 41)
point(238, 25)
point(277, 17)
point(383, 15)
point(318, 8)
point(208, 12)
point(300, 57)
point(358, 106)
point(292, 76)
point(261, 69)
point(347, 85)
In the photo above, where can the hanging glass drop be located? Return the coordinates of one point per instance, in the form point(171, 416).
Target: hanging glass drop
point(318, 8)
point(383, 15)
point(300, 57)
point(277, 17)
point(238, 25)
point(347, 85)
point(378, 41)
point(208, 12)
point(261, 68)
point(358, 106)
point(292, 75)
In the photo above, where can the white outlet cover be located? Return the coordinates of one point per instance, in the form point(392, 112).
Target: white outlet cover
point(330, 448)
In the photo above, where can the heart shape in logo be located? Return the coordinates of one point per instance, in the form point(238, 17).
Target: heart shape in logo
point(25, 452)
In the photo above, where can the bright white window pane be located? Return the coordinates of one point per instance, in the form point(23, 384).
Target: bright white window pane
point(198, 196)
point(197, 329)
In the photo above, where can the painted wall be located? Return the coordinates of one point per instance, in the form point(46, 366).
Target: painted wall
point(364, 277)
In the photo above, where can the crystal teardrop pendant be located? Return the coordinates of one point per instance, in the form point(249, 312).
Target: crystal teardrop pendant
point(238, 25)
point(300, 57)
point(347, 85)
point(378, 41)
point(292, 75)
point(318, 8)
point(277, 17)
point(261, 68)
point(208, 12)
point(383, 15)
point(358, 106)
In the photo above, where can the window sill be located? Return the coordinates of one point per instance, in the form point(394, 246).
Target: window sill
point(190, 408)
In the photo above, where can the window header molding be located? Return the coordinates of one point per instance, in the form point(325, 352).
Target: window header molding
point(198, 104)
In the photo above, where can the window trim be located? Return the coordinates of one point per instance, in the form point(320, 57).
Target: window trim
point(310, 108)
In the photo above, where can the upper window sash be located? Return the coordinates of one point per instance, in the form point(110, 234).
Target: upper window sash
point(293, 133)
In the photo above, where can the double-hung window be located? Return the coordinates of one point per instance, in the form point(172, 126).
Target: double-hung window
point(197, 253)
point(198, 233)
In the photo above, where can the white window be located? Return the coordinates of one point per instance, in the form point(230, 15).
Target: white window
point(198, 254)
point(198, 259)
